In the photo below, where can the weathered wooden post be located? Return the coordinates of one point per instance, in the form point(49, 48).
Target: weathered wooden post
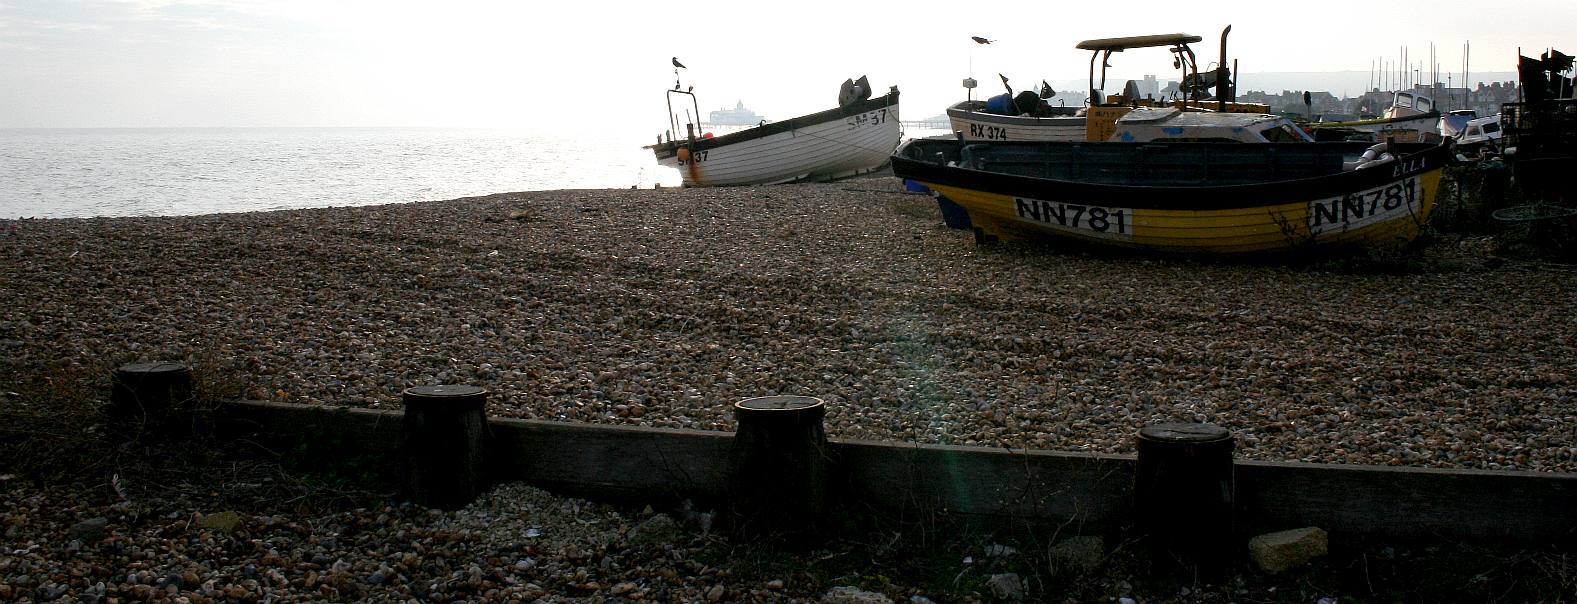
point(1183, 490)
point(142, 395)
point(777, 468)
point(443, 438)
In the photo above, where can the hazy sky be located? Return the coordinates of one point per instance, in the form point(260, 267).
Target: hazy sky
point(570, 64)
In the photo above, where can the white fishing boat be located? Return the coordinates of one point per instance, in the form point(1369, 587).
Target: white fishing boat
point(1410, 118)
point(1479, 135)
point(1028, 116)
point(974, 121)
point(856, 137)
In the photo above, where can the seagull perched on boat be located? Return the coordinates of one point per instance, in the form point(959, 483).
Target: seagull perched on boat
point(678, 64)
point(980, 40)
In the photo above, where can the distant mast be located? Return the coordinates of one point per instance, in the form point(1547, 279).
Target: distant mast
point(1467, 47)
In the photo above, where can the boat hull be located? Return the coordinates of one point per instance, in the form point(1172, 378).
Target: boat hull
point(1386, 204)
point(980, 126)
point(830, 145)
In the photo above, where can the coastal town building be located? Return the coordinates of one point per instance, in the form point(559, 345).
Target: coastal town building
point(1484, 98)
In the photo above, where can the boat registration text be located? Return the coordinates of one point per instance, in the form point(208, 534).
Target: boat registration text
point(1099, 221)
point(685, 156)
point(1364, 208)
point(869, 118)
point(987, 132)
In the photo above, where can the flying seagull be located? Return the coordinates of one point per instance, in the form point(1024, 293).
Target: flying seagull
point(980, 40)
point(677, 63)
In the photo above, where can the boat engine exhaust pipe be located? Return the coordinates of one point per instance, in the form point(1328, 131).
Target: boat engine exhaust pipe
point(1223, 83)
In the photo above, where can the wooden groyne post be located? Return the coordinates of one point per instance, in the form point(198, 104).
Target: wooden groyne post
point(443, 441)
point(143, 395)
point(1184, 490)
point(777, 468)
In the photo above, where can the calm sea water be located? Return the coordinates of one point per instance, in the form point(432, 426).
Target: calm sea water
point(50, 173)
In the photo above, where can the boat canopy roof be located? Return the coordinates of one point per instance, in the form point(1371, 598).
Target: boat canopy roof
point(1118, 44)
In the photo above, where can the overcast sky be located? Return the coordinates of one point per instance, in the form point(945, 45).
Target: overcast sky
point(569, 64)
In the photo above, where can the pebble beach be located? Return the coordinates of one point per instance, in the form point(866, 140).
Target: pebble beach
point(663, 307)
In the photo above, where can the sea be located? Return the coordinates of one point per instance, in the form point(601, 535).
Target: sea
point(91, 172)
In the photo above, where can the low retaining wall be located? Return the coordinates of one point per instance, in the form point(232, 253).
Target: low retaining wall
point(1087, 492)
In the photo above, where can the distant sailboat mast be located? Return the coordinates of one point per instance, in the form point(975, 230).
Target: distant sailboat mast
point(1467, 88)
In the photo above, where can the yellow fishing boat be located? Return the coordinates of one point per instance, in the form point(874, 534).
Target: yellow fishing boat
point(1189, 197)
